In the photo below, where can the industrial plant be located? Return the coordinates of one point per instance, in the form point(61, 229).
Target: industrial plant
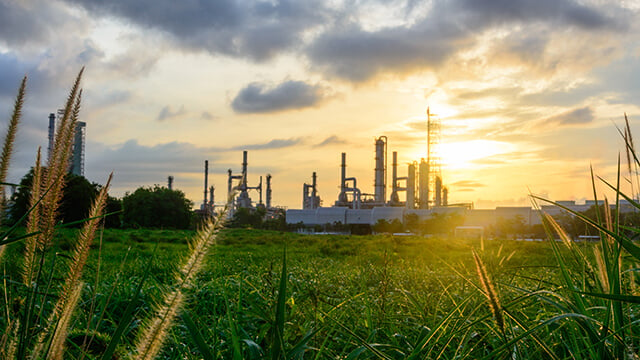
point(238, 192)
point(76, 163)
point(421, 194)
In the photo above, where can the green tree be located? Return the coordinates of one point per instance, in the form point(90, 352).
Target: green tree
point(156, 207)
point(78, 195)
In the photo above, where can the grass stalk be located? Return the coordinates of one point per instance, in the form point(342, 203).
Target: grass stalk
point(154, 333)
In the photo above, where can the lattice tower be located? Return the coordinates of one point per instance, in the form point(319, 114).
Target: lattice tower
point(433, 156)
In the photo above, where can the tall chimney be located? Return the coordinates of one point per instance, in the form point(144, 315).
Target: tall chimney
point(206, 181)
point(268, 204)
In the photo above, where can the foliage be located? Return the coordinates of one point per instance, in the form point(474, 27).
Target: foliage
point(156, 207)
point(78, 194)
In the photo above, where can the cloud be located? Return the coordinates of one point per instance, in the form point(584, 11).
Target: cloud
point(167, 113)
point(273, 144)
point(467, 184)
point(578, 116)
point(27, 22)
point(258, 30)
point(331, 140)
point(207, 116)
point(289, 95)
point(357, 55)
point(566, 12)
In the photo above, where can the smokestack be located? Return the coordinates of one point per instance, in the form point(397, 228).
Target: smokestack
point(244, 169)
point(212, 190)
point(268, 204)
point(445, 196)
point(343, 176)
point(314, 191)
point(260, 190)
point(206, 181)
point(170, 182)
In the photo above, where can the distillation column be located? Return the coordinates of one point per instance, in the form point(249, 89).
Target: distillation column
point(411, 186)
point(423, 195)
point(380, 181)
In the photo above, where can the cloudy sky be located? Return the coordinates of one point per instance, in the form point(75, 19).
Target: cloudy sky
point(528, 93)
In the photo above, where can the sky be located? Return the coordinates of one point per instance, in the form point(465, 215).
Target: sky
point(528, 93)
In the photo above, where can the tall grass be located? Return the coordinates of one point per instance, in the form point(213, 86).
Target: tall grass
point(322, 297)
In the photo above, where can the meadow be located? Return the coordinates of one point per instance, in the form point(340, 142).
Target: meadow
point(217, 293)
point(351, 297)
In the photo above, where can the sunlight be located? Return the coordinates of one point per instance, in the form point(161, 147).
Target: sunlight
point(462, 154)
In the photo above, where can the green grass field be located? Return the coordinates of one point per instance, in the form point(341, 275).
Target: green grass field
point(351, 297)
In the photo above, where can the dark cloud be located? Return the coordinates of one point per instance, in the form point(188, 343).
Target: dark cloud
point(352, 53)
point(256, 29)
point(273, 144)
point(167, 113)
point(579, 116)
point(331, 140)
point(13, 69)
point(290, 95)
point(355, 54)
point(563, 12)
point(26, 22)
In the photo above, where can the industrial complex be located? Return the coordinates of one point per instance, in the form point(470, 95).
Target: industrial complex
point(421, 194)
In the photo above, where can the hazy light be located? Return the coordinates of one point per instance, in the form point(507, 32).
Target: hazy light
point(458, 155)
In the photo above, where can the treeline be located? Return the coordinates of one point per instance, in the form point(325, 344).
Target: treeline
point(146, 207)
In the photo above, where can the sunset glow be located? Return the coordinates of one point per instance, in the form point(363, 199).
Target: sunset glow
point(529, 93)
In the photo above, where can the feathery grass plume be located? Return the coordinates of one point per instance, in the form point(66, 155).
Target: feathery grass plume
point(10, 138)
point(33, 222)
point(152, 336)
point(56, 349)
point(58, 163)
point(602, 269)
point(490, 292)
point(66, 303)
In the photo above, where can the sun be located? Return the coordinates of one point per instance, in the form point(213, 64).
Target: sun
point(463, 154)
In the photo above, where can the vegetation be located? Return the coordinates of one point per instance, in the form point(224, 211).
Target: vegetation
point(157, 207)
point(153, 294)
